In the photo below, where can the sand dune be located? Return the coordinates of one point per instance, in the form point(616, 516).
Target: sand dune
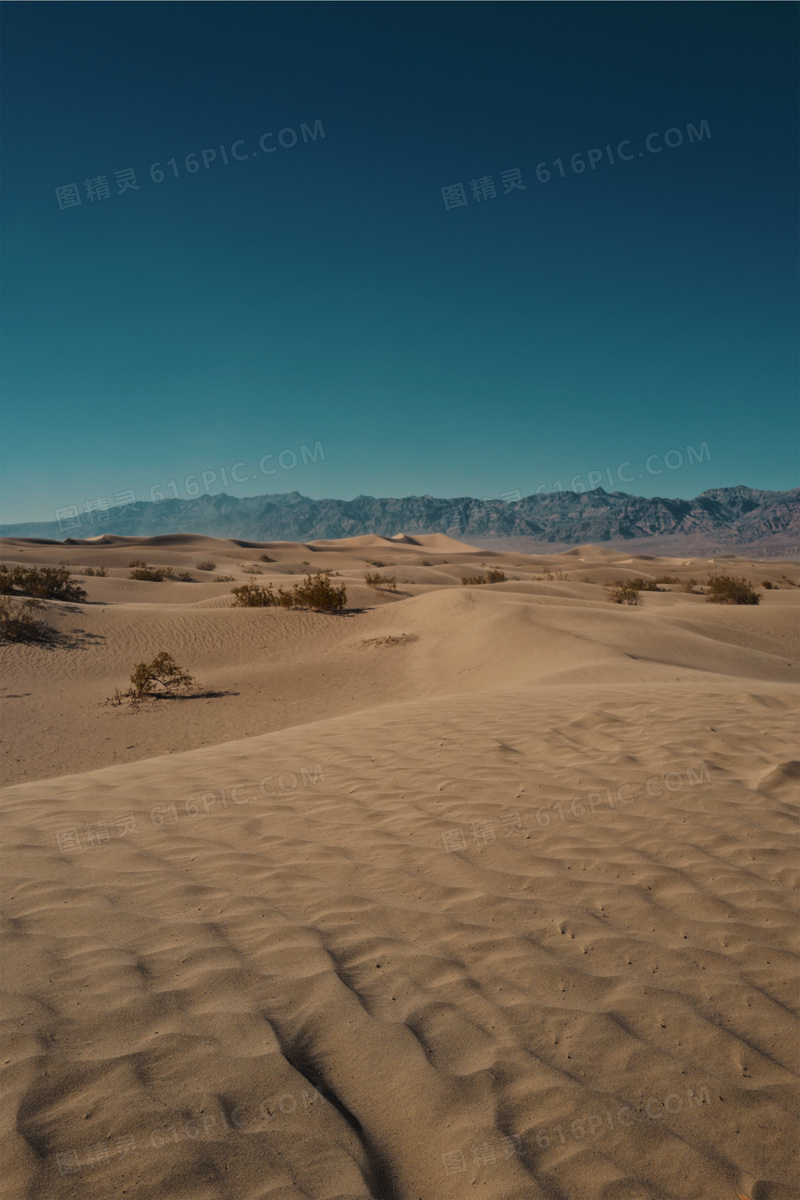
point(470, 891)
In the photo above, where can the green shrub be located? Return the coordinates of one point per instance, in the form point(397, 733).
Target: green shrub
point(381, 581)
point(19, 623)
point(730, 589)
point(318, 593)
point(161, 677)
point(206, 565)
point(624, 592)
point(148, 574)
point(253, 595)
point(47, 583)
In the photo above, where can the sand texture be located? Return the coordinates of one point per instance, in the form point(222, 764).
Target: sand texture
point(477, 891)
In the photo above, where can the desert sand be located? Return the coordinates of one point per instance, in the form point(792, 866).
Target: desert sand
point(466, 892)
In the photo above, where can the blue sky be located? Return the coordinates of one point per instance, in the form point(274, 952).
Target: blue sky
point(324, 292)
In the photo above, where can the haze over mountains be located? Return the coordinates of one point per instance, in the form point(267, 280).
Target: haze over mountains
point(723, 518)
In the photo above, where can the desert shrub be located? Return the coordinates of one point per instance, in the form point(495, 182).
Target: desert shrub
point(253, 595)
point(667, 579)
point(376, 562)
point(689, 585)
point(251, 570)
point(425, 562)
point(767, 583)
point(206, 565)
point(318, 593)
point(19, 622)
point(148, 574)
point(469, 580)
point(161, 677)
point(101, 571)
point(623, 591)
point(730, 589)
point(381, 581)
point(6, 581)
point(266, 558)
point(183, 577)
point(47, 583)
point(223, 578)
point(644, 585)
point(137, 562)
point(495, 575)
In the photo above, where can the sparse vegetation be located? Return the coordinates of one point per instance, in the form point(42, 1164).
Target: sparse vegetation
point(224, 578)
point(316, 592)
point(19, 622)
point(730, 589)
point(182, 577)
point(768, 584)
point(266, 558)
point(644, 585)
point(376, 562)
point(147, 574)
point(495, 575)
point(689, 585)
point(470, 580)
point(100, 571)
point(382, 582)
point(623, 591)
point(206, 565)
point(251, 570)
point(137, 562)
point(160, 678)
point(45, 583)
point(667, 579)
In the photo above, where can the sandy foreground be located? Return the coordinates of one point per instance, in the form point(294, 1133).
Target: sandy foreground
point(468, 892)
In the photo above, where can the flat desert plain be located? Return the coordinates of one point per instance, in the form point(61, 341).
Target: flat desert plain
point(469, 891)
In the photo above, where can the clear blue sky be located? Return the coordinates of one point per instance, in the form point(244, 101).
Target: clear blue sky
point(325, 293)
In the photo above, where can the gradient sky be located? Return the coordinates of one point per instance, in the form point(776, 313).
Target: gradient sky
point(324, 293)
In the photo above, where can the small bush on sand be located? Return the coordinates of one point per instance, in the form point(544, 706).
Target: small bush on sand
point(160, 678)
point(253, 595)
point(381, 581)
point(206, 565)
point(730, 589)
point(147, 574)
point(472, 580)
point(376, 562)
point(689, 585)
point(644, 585)
point(495, 575)
point(667, 579)
point(623, 591)
point(767, 583)
point(316, 592)
point(223, 578)
point(137, 562)
point(46, 583)
point(19, 622)
point(266, 558)
point(183, 577)
point(251, 570)
point(100, 571)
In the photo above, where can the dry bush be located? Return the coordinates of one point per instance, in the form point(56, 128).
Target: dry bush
point(100, 571)
point(253, 595)
point(137, 562)
point(160, 678)
point(251, 570)
point(730, 589)
point(381, 581)
point(19, 623)
point(148, 574)
point(46, 583)
point(768, 584)
point(206, 565)
point(667, 579)
point(470, 580)
point(183, 577)
point(266, 558)
point(316, 592)
point(644, 585)
point(495, 575)
point(623, 591)
point(689, 585)
point(224, 578)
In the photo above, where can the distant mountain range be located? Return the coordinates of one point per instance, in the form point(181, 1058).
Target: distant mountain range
point(739, 516)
